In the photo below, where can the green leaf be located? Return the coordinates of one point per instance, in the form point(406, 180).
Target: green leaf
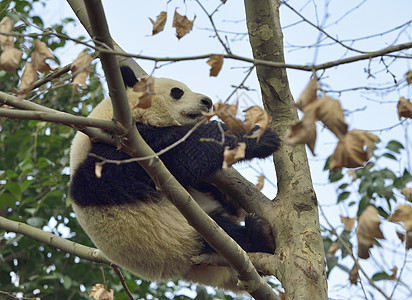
point(343, 196)
point(335, 176)
point(343, 186)
point(390, 156)
point(394, 146)
point(67, 282)
point(380, 276)
point(7, 200)
point(36, 221)
point(14, 188)
point(363, 203)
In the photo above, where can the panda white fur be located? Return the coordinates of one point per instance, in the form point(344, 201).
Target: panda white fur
point(130, 221)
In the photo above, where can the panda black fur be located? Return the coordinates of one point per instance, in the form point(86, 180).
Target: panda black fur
point(130, 221)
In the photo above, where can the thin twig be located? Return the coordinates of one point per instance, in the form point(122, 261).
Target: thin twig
point(210, 16)
point(123, 282)
point(164, 150)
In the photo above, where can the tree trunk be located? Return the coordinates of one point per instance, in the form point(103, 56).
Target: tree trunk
point(295, 213)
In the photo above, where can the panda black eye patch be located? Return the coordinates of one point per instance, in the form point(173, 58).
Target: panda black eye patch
point(176, 93)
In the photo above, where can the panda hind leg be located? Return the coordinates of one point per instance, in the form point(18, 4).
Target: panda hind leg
point(260, 233)
point(254, 236)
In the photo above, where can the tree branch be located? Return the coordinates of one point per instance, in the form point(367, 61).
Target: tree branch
point(93, 133)
point(58, 117)
point(294, 211)
point(58, 242)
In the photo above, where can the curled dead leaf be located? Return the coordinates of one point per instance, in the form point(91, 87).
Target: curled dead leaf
point(404, 107)
point(401, 236)
point(302, 132)
point(39, 56)
point(145, 89)
point(6, 26)
point(403, 213)
point(353, 174)
point(160, 22)
point(80, 69)
point(394, 270)
point(232, 156)
point(407, 192)
point(257, 115)
point(216, 62)
point(308, 95)
point(408, 76)
point(332, 249)
point(28, 78)
point(353, 274)
point(261, 182)
point(10, 59)
point(182, 24)
point(368, 230)
point(330, 112)
point(227, 113)
point(98, 292)
point(348, 222)
point(350, 152)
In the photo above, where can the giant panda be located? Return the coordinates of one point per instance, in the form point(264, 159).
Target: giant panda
point(131, 221)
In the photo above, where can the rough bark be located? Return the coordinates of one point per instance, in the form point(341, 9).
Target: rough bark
point(295, 213)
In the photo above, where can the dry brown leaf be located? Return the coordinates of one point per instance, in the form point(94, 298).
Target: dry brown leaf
point(407, 192)
point(353, 274)
point(160, 22)
point(39, 56)
point(353, 174)
point(302, 132)
point(350, 152)
point(80, 69)
point(256, 115)
point(394, 270)
point(282, 294)
point(261, 182)
point(99, 293)
point(408, 76)
point(10, 59)
point(6, 26)
point(404, 108)
point(227, 113)
point(232, 156)
point(182, 24)
point(332, 249)
point(28, 78)
point(330, 112)
point(401, 236)
point(403, 213)
point(308, 95)
point(368, 230)
point(348, 222)
point(216, 62)
point(145, 89)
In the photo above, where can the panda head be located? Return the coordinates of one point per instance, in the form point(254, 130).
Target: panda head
point(173, 103)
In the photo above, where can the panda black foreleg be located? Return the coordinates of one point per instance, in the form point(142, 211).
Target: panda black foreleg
point(254, 236)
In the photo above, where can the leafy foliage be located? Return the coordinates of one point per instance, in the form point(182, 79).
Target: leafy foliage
point(369, 185)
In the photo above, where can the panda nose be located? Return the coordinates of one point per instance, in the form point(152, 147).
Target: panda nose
point(207, 102)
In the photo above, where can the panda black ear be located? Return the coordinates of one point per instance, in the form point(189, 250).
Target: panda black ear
point(129, 78)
